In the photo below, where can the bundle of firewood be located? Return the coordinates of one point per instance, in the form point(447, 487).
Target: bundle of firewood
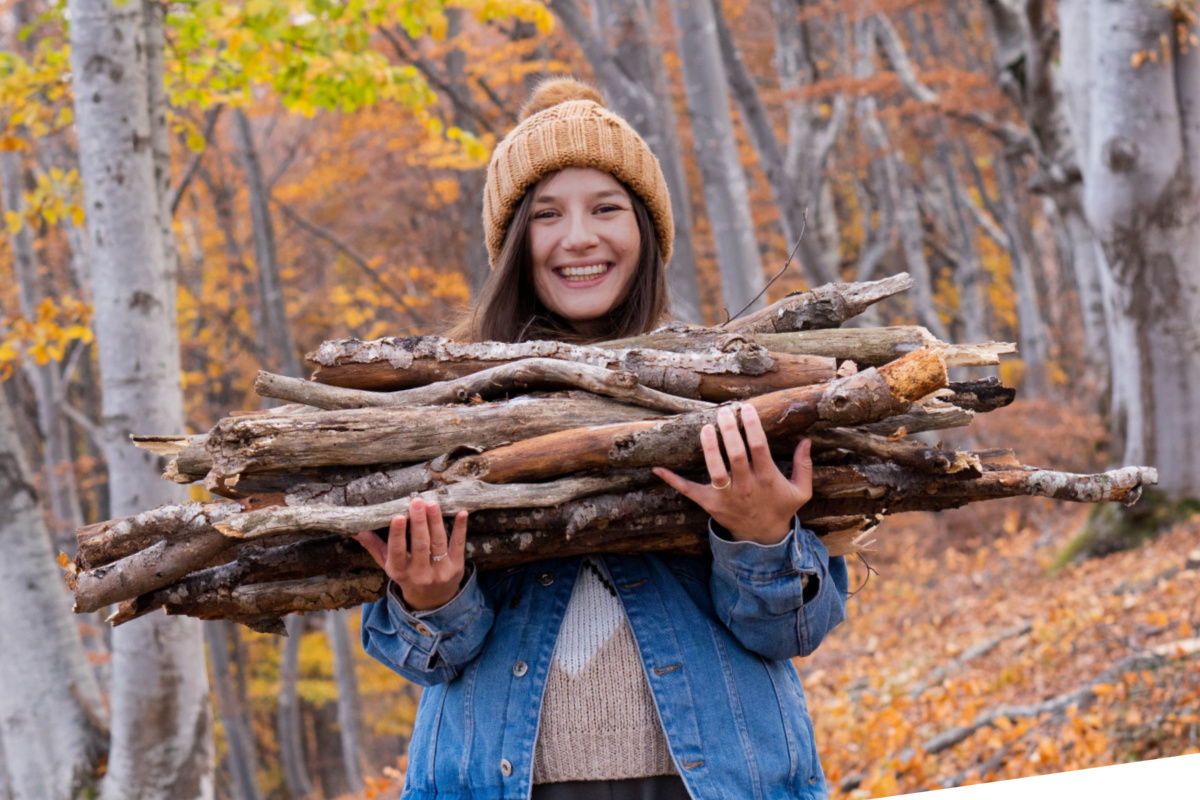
point(550, 445)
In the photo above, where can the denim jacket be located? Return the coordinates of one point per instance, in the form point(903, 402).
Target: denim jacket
point(715, 637)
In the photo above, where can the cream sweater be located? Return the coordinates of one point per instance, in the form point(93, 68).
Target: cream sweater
point(598, 718)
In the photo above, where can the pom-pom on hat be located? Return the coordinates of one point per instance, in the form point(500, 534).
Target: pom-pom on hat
point(565, 124)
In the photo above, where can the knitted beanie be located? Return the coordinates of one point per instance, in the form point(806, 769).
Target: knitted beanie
point(565, 124)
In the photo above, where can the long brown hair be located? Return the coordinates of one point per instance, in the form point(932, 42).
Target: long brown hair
point(508, 308)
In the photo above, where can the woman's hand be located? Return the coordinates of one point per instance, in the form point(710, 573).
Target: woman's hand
point(752, 498)
point(427, 568)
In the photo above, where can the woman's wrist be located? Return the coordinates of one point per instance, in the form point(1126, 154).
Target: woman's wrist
point(758, 534)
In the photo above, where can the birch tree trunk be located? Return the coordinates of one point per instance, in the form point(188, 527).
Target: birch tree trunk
point(348, 715)
point(243, 765)
point(810, 137)
point(1140, 165)
point(158, 662)
point(288, 721)
point(274, 335)
point(726, 195)
point(61, 486)
point(52, 718)
point(619, 46)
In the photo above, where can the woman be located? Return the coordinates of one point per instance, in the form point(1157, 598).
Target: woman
point(606, 676)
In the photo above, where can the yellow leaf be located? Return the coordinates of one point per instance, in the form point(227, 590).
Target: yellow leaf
point(13, 221)
point(1103, 689)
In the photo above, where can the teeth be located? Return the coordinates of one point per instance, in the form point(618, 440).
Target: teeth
point(583, 273)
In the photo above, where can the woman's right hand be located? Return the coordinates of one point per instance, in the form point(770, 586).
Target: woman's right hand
point(408, 556)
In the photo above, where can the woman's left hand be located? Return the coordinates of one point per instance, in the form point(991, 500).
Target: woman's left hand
point(751, 499)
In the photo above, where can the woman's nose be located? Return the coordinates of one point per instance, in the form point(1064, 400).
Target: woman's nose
point(580, 235)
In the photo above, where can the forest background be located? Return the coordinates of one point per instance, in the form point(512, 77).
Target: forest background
point(195, 190)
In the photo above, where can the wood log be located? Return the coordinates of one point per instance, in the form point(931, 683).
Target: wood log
point(674, 442)
point(514, 377)
point(391, 364)
point(461, 496)
point(156, 566)
point(388, 435)
point(106, 542)
point(866, 347)
point(915, 456)
point(849, 500)
point(826, 306)
point(980, 396)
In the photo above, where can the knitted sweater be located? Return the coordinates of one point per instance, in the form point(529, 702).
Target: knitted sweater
point(598, 718)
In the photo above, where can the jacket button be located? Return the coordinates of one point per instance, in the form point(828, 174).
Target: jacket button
point(421, 629)
point(505, 767)
point(546, 578)
point(520, 668)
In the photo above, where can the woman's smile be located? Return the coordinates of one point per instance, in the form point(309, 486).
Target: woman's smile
point(584, 276)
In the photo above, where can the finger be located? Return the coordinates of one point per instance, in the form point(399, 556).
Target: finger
point(717, 473)
point(373, 545)
point(756, 437)
point(802, 469)
point(397, 544)
point(735, 446)
point(418, 532)
point(438, 545)
point(458, 539)
point(689, 489)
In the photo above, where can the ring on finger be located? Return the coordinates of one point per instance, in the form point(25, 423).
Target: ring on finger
point(728, 482)
point(439, 558)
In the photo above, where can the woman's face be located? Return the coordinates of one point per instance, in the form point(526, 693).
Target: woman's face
point(584, 242)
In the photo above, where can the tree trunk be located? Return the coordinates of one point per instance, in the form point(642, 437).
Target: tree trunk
point(625, 58)
point(158, 662)
point(810, 139)
point(348, 715)
point(288, 721)
point(1140, 197)
point(61, 487)
point(726, 194)
point(274, 334)
point(243, 764)
point(52, 719)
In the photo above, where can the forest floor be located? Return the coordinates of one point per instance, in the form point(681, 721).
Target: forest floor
point(906, 665)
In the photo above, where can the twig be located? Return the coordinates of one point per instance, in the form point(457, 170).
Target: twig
point(778, 275)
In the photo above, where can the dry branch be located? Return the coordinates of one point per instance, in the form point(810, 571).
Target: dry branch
point(389, 435)
point(867, 347)
point(401, 363)
point(529, 374)
point(826, 306)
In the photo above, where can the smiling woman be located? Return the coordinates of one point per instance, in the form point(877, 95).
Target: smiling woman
point(655, 677)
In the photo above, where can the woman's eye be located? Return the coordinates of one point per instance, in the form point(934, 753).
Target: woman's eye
point(607, 208)
point(543, 214)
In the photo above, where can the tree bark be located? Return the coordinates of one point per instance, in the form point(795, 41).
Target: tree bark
point(243, 764)
point(348, 716)
point(826, 306)
point(157, 662)
point(53, 724)
point(274, 334)
point(513, 377)
point(673, 442)
point(388, 435)
point(726, 195)
point(288, 723)
point(61, 487)
point(1141, 201)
